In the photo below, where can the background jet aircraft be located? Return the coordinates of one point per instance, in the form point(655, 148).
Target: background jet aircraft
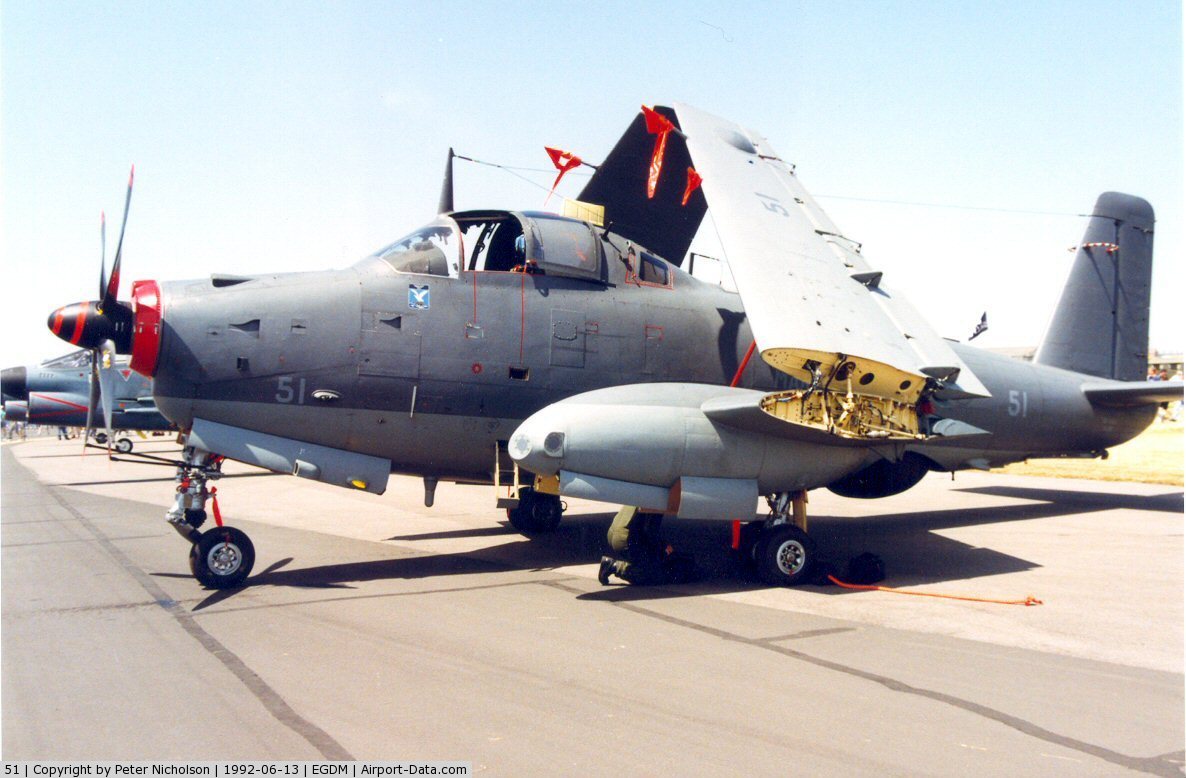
point(16, 410)
point(57, 392)
point(634, 378)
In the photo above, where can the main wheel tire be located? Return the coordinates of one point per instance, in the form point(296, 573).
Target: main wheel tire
point(536, 513)
point(785, 556)
point(100, 438)
point(123, 446)
point(222, 558)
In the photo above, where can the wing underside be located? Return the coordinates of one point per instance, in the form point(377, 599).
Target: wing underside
point(819, 311)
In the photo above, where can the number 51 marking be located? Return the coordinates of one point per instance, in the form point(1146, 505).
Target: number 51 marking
point(1018, 403)
point(285, 392)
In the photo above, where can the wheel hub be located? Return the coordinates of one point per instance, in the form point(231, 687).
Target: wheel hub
point(224, 559)
point(790, 557)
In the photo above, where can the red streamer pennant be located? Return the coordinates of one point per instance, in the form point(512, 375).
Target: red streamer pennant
point(694, 181)
point(564, 162)
point(659, 126)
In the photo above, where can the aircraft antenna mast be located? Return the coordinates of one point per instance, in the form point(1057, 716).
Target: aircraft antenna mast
point(446, 204)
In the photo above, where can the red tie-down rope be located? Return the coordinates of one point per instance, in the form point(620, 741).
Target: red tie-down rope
point(1029, 600)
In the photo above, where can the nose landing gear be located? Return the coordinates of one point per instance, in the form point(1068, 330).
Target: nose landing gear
point(221, 557)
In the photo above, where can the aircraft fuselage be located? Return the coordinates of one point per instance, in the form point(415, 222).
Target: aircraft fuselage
point(433, 371)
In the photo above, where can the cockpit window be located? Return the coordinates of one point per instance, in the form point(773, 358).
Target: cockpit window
point(647, 270)
point(567, 245)
point(432, 250)
point(493, 240)
point(653, 271)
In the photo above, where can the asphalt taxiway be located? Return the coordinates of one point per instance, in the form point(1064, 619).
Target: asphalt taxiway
point(376, 628)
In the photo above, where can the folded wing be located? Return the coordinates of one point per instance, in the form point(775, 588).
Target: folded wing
point(819, 311)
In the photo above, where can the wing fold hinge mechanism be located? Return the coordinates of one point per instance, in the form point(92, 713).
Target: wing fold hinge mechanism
point(848, 414)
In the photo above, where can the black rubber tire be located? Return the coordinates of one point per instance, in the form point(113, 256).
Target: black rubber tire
point(222, 558)
point(785, 556)
point(537, 514)
point(123, 446)
point(101, 438)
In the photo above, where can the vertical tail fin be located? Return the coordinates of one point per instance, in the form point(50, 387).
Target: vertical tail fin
point(1101, 324)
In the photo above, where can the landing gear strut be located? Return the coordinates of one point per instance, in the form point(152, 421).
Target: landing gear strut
point(221, 557)
point(783, 551)
point(537, 513)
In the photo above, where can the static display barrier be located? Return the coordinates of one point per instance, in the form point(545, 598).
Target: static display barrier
point(220, 769)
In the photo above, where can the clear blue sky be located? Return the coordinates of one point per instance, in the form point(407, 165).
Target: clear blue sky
point(296, 136)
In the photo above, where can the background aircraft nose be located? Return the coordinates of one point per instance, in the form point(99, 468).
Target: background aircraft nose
point(14, 382)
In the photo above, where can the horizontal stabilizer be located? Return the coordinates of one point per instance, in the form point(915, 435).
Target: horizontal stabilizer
point(1133, 394)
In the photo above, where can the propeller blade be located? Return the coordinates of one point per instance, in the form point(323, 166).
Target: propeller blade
point(102, 253)
point(111, 292)
point(107, 386)
point(92, 401)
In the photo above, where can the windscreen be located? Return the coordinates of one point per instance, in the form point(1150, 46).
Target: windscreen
point(432, 250)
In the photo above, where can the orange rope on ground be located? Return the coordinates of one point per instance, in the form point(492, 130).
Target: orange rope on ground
point(1029, 600)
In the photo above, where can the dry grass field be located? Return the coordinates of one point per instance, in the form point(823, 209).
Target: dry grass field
point(1154, 457)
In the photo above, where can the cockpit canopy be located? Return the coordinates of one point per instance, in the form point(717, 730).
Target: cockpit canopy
point(500, 241)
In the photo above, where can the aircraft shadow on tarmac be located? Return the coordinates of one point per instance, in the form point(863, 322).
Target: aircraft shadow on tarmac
point(913, 552)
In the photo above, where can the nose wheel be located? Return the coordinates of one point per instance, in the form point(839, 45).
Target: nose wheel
point(222, 558)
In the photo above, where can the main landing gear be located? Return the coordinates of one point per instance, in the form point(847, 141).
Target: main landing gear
point(536, 513)
point(782, 551)
point(222, 556)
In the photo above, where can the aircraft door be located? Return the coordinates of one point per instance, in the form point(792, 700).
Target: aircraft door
point(568, 338)
point(389, 346)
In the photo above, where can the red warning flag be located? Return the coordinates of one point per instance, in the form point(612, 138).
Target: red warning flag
point(659, 126)
point(564, 162)
point(694, 180)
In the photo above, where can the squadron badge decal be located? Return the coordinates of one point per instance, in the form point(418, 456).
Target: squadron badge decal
point(418, 297)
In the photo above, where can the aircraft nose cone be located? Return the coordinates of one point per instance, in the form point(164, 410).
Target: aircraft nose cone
point(14, 382)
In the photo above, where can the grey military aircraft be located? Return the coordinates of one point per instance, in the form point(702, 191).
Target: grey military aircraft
point(573, 356)
point(62, 392)
point(16, 410)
